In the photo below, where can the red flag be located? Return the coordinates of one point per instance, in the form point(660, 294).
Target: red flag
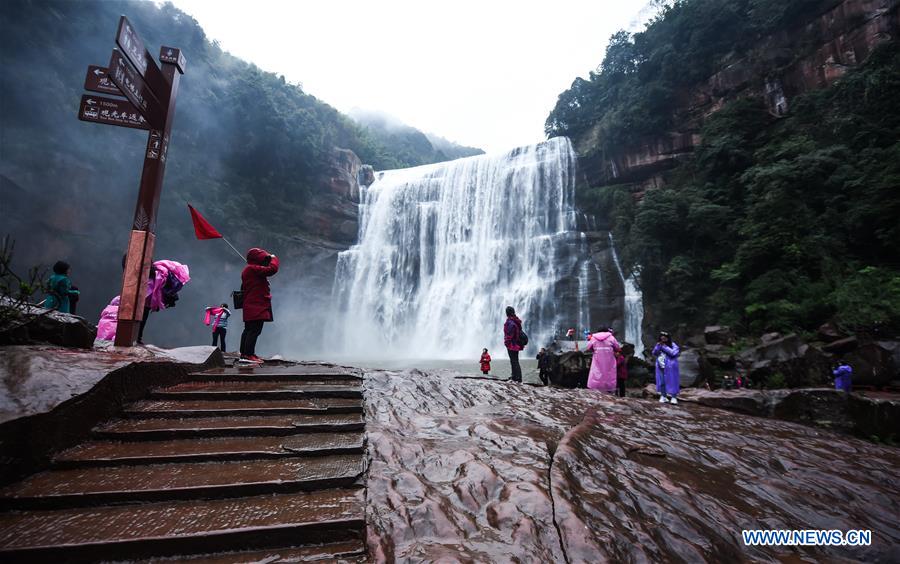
point(202, 227)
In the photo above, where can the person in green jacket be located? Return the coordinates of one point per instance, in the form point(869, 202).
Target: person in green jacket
point(59, 288)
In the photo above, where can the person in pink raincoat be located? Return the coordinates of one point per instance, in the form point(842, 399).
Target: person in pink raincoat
point(603, 363)
point(109, 319)
point(167, 277)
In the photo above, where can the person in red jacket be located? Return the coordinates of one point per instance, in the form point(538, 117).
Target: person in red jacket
point(257, 299)
point(485, 362)
point(512, 333)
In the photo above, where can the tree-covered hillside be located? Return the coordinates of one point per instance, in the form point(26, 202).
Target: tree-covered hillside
point(635, 90)
point(773, 223)
point(407, 145)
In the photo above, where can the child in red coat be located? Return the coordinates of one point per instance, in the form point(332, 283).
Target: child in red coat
point(485, 362)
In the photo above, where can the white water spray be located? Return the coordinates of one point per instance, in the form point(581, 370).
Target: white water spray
point(634, 304)
point(444, 248)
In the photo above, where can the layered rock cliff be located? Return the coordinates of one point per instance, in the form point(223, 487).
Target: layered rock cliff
point(778, 68)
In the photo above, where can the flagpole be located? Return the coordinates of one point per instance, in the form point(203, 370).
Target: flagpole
point(237, 252)
point(220, 236)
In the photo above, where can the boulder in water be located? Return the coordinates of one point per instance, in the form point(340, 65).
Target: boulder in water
point(828, 332)
point(689, 368)
point(798, 363)
point(570, 369)
point(872, 365)
point(893, 347)
point(718, 335)
point(718, 357)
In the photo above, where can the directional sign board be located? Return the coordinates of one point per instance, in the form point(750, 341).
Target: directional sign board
point(133, 87)
point(133, 48)
point(98, 81)
point(111, 111)
point(172, 56)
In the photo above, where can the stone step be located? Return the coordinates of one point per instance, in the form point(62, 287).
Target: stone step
point(275, 389)
point(186, 527)
point(155, 428)
point(204, 408)
point(159, 482)
point(347, 552)
point(263, 373)
point(108, 453)
point(275, 380)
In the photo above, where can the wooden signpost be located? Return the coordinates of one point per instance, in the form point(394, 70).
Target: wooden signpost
point(149, 104)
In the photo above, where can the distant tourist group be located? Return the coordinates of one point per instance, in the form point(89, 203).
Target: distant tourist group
point(609, 364)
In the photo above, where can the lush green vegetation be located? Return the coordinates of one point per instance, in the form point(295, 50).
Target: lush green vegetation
point(634, 91)
point(774, 223)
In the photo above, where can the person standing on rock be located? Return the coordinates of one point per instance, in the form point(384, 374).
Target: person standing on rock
point(842, 377)
point(513, 340)
point(217, 318)
point(543, 359)
point(667, 383)
point(485, 362)
point(603, 362)
point(257, 299)
point(59, 289)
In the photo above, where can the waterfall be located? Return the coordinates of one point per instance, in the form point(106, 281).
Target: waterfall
point(634, 304)
point(444, 248)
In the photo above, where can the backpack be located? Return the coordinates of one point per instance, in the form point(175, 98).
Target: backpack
point(170, 290)
point(523, 338)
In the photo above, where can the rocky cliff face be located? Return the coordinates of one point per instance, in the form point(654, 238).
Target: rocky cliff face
point(780, 67)
point(333, 213)
point(331, 220)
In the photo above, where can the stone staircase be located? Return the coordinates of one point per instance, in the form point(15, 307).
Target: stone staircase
point(232, 465)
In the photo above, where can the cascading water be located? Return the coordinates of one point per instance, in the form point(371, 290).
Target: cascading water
point(634, 304)
point(444, 248)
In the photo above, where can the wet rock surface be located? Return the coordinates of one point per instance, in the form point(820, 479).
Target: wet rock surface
point(38, 325)
point(36, 379)
point(477, 470)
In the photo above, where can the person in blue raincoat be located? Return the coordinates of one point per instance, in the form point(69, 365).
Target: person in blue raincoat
point(59, 289)
point(666, 353)
point(842, 377)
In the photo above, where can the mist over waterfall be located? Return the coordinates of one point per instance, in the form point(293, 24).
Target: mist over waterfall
point(444, 248)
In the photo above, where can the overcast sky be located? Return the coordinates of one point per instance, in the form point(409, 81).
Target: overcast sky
point(482, 73)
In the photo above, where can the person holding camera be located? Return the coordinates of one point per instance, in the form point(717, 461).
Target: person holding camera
point(667, 374)
point(257, 299)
